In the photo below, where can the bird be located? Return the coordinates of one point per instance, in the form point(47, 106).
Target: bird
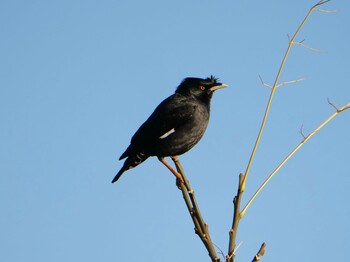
point(175, 126)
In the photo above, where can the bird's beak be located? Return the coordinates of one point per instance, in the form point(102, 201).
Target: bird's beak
point(217, 87)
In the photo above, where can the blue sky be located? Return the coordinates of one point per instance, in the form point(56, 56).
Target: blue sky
point(77, 78)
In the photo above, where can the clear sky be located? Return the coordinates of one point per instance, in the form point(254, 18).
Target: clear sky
point(77, 78)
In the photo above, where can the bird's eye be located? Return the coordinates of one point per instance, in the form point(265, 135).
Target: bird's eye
point(202, 88)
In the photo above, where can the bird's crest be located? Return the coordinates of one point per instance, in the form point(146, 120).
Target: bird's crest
point(212, 79)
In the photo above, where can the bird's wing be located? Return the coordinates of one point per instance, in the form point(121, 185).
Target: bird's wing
point(166, 118)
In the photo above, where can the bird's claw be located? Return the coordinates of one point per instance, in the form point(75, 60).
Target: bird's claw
point(179, 183)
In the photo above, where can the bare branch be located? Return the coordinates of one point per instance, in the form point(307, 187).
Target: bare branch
point(290, 82)
point(347, 106)
point(326, 11)
point(335, 107)
point(307, 47)
point(237, 247)
point(237, 213)
point(301, 131)
point(260, 253)
point(221, 252)
point(264, 83)
point(274, 87)
point(323, 10)
point(321, 3)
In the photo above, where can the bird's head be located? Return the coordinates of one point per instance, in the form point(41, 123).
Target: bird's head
point(201, 88)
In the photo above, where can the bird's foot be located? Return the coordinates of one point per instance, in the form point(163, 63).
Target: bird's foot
point(179, 183)
point(179, 179)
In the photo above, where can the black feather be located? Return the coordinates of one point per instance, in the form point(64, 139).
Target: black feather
point(175, 126)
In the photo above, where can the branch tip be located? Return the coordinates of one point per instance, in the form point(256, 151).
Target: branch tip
point(290, 82)
point(264, 83)
point(301, 131)
point(260, 253)
point(326, 11)
point(323, 10)
point(308, 47)
point(288, 38)
point(237, 247)
point(220, 252)
point(331, 104)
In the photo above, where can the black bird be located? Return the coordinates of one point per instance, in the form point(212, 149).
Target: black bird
point(175, 126)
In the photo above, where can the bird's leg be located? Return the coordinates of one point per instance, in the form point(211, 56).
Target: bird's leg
point(172, 170)
point(179, 171)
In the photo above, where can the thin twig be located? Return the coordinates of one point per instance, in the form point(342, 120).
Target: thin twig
point(264, 83)
point(301, 131)
point(321, 3)
point(333, 105)
point(326, 11)
point(238, 246)
point(338, 111)
point(220, 251)
point(307, 47)
point(290, 82)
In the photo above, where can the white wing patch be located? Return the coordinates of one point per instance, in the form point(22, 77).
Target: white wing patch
point(167, 133)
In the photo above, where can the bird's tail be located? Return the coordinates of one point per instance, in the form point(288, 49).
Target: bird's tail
point(119, 174)
point(129, 163)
